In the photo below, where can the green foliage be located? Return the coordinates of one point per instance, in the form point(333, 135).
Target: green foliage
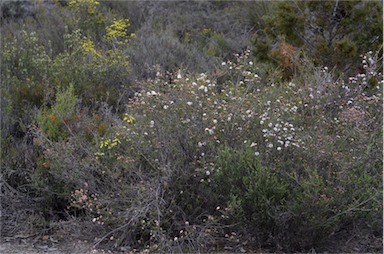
point(86, 66)
point(88, 16)
point(254, 192)
point(25, 70)
point(53, 121)
point(218, 46)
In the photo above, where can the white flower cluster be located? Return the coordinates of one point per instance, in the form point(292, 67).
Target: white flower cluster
point(281, 134)
point(242, 70)
point(276, 132)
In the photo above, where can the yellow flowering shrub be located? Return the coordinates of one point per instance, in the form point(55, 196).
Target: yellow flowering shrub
point(89, 5)
point(89, 47)
point(108, 144)
point(117, 31)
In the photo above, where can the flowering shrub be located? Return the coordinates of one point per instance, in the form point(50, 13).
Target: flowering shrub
point(220, 159)
point(172, 134)
point(117, 31)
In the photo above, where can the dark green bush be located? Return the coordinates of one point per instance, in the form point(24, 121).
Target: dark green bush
point(254, 193)
point(328, 32)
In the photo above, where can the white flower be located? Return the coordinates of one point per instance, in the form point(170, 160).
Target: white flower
point(250, 63)
point(165, 106)
point(210, 131)
point(270, 145)
point(189, 103)
point(253, 144)
point(207, 172)
point(257, 153)
point(261, 122)
point(214, 121)
point(151, 123)
point(278, 148)
point(223, 63)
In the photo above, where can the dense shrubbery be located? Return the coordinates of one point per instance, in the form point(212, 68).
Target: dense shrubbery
point(327, 32)
point(239, 156)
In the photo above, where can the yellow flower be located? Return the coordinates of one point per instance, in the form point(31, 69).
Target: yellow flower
point(89, 46)
point(129, 119)
point(118, 31)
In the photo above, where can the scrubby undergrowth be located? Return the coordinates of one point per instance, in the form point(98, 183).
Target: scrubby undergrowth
point(239, 157)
